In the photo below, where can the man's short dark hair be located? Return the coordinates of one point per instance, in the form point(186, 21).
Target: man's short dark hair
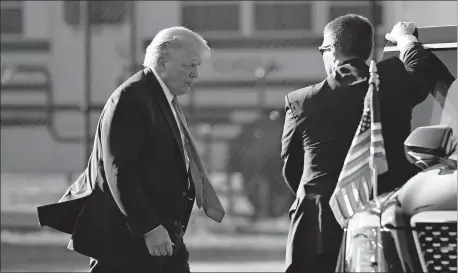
point(353, 35)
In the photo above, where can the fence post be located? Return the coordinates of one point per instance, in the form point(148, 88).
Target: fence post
point(86, 27)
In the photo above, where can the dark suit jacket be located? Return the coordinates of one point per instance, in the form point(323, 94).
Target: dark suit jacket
point(321, 119)
point(136, 178)
point(320, 123)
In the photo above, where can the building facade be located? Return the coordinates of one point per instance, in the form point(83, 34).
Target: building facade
point(262, 50)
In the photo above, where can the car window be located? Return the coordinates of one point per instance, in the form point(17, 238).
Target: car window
point(440, 104)
point(450, 113)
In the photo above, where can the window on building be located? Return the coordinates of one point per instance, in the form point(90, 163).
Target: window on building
point(12, 17)
point(101, 12)
point(359, 7)
point(11, 20)
point(211, 16)
point(282, 16)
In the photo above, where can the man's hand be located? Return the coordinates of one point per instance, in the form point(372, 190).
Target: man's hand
point(158, 242)
point(399, 30)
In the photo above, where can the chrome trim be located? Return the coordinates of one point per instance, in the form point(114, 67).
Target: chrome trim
point(434, 217)
point(436, 26)
point(428, 46)
point(421, 257)
point(429, 217)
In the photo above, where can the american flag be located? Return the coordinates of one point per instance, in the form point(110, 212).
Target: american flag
point(355, 180)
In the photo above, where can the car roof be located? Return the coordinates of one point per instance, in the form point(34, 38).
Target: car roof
point(433, 37)
point(441, 40)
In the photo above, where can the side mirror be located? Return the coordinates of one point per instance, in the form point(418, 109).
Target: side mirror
point(428, 145)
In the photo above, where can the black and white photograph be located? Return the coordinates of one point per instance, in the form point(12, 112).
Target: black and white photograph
point(229, 136)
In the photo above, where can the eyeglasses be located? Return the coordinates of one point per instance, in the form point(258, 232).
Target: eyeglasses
point(322, 49)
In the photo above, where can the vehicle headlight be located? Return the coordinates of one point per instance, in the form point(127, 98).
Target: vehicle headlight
point(364, 251)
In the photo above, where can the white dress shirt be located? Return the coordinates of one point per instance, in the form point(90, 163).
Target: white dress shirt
point(169, 96)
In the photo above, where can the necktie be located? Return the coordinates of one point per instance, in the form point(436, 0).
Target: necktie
point(196, 167)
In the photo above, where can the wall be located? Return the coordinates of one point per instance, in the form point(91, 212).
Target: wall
point(33, 150)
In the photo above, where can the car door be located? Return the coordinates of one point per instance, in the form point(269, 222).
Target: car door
point(440, 107)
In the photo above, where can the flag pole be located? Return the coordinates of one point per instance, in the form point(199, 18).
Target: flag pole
point(85, 23)
point(374, 80)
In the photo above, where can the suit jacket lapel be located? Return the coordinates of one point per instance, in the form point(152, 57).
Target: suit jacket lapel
point(211, 203)
point(161, 100)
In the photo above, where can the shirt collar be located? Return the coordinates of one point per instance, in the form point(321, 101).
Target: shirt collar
point(167, 92)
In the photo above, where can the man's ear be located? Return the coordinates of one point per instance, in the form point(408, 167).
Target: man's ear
point(334, 53)
point(335, 57)
point(161, 64)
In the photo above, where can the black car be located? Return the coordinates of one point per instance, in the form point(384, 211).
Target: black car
point(414, 228)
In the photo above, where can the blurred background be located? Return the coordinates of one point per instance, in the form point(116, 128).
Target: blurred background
point(61, 60)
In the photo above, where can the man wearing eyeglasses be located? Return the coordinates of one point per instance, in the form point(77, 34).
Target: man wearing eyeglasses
point(322, 119)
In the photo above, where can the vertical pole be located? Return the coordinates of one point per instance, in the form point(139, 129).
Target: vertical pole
point(133, 37)
point(86, 26)
point(261, 74)
point(373, 72)
point(374, 75)
point(373, 15)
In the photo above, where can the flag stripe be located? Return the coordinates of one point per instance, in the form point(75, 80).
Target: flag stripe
point(361, 139)
point(356, 193)
point(380, 164)
point(362, 191)
point(341, 203)
point(358, 149)
point(351, 196)
point(377, 137)
point(378, 153)
point(350, 175)
point(366, 188)
point(347, 202)
point(377, 148)
point(336, 205)
point(376, 125)
point(357, 162)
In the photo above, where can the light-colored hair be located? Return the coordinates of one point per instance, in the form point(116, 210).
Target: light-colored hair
point(173, 38)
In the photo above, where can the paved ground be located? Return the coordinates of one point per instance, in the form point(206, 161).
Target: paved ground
point(236, 245)
point(45, 258)
point(46, 252)
point(266, 266)
point(254, 266)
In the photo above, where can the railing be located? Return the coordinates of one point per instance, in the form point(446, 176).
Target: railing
point(35, 114)
point(27, 114)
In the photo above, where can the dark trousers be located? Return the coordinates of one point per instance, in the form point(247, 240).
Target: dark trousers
point(323, 263)
point(314, 238)
point(178, 262)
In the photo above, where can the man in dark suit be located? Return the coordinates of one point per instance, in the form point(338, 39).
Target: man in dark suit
point(321, 121)
point(130, 208)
